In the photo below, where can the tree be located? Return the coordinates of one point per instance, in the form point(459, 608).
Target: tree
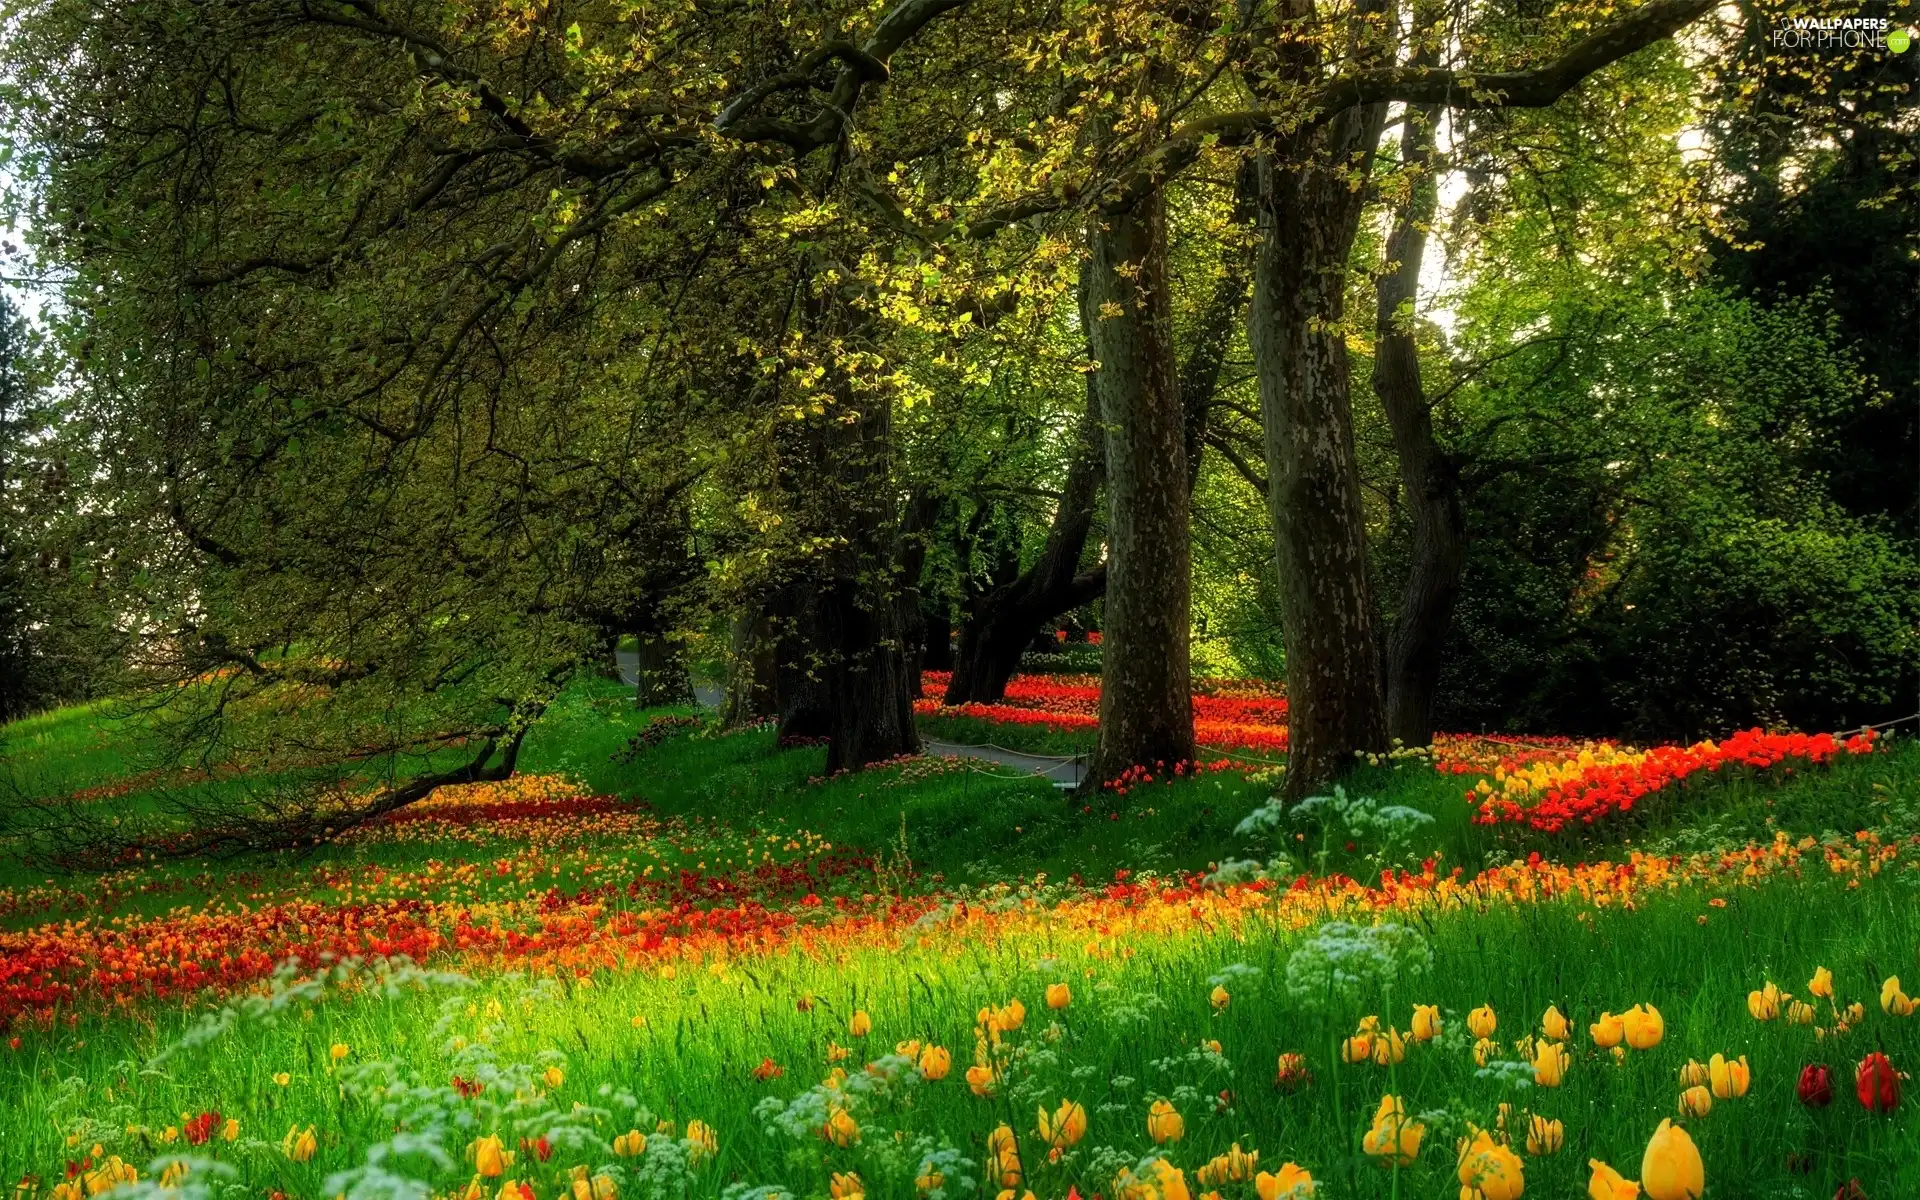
point(26, 679)
point(419, 371)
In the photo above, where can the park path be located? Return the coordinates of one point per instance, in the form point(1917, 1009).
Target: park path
point(1061, 772)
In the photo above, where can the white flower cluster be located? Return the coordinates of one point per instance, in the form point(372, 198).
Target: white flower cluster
point(1343, 961)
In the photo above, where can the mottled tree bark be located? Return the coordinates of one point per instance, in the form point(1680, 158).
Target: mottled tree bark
point(936, 617)
point(752, 671)
point(1146, 703)
point(844, 675)
point(1310, 209)
point(1429, 477)
point(800, 652)
point(663, 678)
point(922, 513)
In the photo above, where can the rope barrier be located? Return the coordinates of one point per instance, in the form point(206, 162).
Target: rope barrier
point(1881, 725)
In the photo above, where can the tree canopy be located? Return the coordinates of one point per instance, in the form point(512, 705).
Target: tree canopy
point(1470, 365)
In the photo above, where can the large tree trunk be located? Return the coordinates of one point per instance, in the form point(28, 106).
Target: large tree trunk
point(1310, 211)
point(847, 669)
point(1001, 624)
point(922, 514)
point(1428, 475)
point(936, 619)
point(663, 678)
point(752, 669)
point(800, 653)
point(1146, 703)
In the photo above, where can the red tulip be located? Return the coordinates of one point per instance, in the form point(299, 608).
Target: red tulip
point(1816, 1085)
point(200, 1128)
point(1877, 1083)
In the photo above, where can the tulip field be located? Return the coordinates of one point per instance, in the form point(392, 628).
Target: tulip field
point(687, 965)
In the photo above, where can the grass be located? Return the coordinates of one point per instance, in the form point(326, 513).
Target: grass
point(777, 903)
point(680, 1041)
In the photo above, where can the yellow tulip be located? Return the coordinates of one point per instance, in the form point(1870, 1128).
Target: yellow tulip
point(908, 1049)
point(109, 1175)
point(1545, 1136)
point(1158, 1180)
point(1693, 1074)
point(980, 1080)
point(1644, 1026)
point(1481, 1021)
point(845, 1185)
point(604, 1188)
point(1730, 1079)
point(861, 1024)
point(1799, 1012)
point(1484, 1050)
point(1164, 1123)
point(1607, 1184)
point(1066, 1126)
point(1554, 1025)
point(841, 1129)
point(1357, 1049)
point(1822, 983)
point(1291, 1182)
point(299, 1144)
point(935, 1062)
point(282, 1078)
point(1059, 995)
point(1426, 1022)
point(704, 1142)
point(489, 1156)
point(231, 1131)
point(1893, 1001)
point(1762, 1006)
point(554, 1077)
point(1696, 1101)
point(1490, 1171)
point(1394, 1138)
point(1004, 1148)
point(1235, 1166)
point(1550, 1061)
point(1607, 1031)
point(1219, 998)
point(1671, 1168)
point(339, 1051)
point(1389, 1048)
point(630, 1143)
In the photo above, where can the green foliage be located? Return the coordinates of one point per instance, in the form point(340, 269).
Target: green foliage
point(1686, 571)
